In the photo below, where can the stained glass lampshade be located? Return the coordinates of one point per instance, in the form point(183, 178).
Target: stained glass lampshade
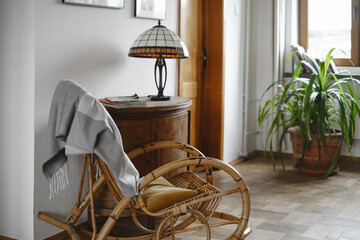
point(159, 42)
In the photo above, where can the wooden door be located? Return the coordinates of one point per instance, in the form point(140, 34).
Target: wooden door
point(201, 78)
point(190, 75)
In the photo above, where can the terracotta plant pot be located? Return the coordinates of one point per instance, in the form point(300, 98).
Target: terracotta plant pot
point(311, 164)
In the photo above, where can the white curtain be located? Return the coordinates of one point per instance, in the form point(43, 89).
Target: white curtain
point(279, 49)
point(279, 38)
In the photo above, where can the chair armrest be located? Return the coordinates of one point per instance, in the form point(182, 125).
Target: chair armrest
point(164, 145)
point(187, 162)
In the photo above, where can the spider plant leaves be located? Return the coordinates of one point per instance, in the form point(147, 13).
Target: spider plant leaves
point(323, 75)
point(313, 70)
point(272, 154)
point(333, 163)
point(307, 105)
point(297, 70)
point(282, 139)
point(321, 103)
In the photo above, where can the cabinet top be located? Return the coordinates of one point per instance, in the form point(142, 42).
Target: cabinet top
point(146, 104)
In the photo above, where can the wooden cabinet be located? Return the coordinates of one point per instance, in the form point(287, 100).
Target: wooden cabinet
point(145, 121)
point(142, 122)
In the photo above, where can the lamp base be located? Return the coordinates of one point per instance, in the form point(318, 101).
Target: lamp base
point(159, 98)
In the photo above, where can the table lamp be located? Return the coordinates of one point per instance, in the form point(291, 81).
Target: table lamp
point(159, 42)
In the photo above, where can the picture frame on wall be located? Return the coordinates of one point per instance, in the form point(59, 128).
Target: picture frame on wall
point(152, 9)
point(97, 3)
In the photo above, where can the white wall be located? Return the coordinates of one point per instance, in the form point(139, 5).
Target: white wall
point(260, 72)
point(234, 49)
point(89, 45)
point(17, 39)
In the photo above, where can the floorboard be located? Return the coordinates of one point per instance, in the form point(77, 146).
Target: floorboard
point(289, 206)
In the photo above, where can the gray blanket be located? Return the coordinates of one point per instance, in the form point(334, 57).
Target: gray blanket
point(79, 124)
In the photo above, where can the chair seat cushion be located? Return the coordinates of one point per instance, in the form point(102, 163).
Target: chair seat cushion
point(161, 194)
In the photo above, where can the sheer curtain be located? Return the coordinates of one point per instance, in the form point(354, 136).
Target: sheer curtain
point(278, 49)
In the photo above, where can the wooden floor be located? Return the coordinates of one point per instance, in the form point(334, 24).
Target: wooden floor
point(289, 206)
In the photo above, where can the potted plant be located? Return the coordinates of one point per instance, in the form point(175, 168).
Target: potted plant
point(318, 111)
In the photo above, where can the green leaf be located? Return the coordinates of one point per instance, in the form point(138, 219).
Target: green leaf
point(320, 103)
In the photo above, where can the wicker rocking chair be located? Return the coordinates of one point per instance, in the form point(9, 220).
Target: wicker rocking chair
point(194, 210)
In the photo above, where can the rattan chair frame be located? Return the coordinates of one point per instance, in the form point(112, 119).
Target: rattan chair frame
point(201, 207)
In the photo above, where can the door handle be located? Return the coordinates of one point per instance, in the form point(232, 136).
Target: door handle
point(354, 13)
point(204, 58)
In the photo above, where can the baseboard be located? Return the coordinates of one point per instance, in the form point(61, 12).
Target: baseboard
point(349, 158)
point(236, 161)
point(276, 154)
point(6, 238)
point(290, 155)
point(252, 154)
point(241, 159)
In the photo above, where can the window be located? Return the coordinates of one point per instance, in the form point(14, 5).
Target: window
point(325, 24)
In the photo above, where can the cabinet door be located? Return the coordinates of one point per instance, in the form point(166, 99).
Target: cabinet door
point(136, 133)
point(174, 128)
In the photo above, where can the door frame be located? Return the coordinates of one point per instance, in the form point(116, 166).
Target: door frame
point(211, 124)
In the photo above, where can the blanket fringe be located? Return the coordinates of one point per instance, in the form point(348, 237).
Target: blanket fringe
point(96, 166)
point(98, 170)
point(60, 180)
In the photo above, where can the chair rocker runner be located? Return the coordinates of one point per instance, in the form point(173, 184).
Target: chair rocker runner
point(194, 212)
